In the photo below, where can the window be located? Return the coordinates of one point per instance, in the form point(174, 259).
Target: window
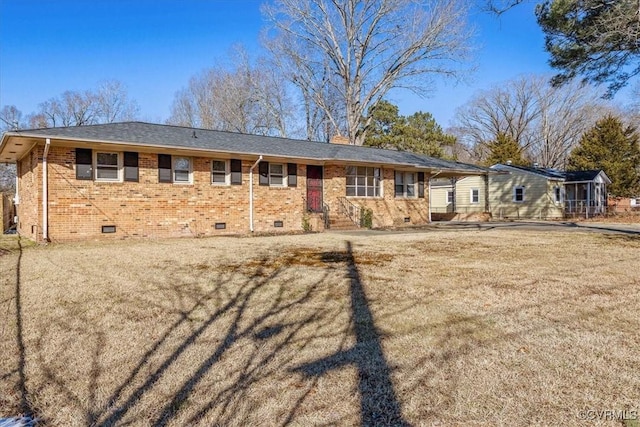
point(557, 194)
point(181, 169)
point(449, 197)
point(276, 174)
point(475, 196)
point(219, 175)
point(363, 181)
point(174, 169)
point(405, 184)
point(107, 166)
point(130, 166)
point(84, 161)
point(518, 194)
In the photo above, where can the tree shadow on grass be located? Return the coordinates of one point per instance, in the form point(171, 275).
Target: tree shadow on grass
point(25, 405)
point(379, 404)
point(267, 325)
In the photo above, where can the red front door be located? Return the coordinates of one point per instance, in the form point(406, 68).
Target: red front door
point(314, 188)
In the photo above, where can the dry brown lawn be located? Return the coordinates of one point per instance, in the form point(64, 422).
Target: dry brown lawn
point(496, 327)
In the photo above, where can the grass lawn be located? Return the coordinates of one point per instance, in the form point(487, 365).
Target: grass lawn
point(496, 327)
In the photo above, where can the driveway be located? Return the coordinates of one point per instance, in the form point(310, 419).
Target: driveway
point(595, 227)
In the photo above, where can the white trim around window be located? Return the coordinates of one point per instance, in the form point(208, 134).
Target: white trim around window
point(220, 173)
point(277, 174)
point(518, 194)
point(474, 196)
point(449, 197)
point(182, 169)
point(107, 166)
point(558, 194)
point(363, 181)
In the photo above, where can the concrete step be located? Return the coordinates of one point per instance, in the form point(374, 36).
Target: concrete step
point(341, 223)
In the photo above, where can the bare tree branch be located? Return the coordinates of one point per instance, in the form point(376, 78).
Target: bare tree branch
point(345, 55)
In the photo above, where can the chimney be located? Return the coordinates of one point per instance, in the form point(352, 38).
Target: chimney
point(339, 139)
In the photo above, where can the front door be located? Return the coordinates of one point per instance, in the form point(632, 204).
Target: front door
point(314, 188)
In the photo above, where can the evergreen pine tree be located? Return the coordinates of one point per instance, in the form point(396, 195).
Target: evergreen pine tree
point(614, 148)
point(504, 149)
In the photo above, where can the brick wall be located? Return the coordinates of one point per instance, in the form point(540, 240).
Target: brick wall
point(78, 209)
point(29, 170)
point(388, 210)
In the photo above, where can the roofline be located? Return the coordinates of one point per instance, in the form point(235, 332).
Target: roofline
point(528, 171)
point(39, 136)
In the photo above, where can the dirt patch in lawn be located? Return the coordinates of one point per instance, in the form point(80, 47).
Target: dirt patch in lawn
point(491, 327)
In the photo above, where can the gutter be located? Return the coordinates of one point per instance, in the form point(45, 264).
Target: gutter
point(45, 192)
point(430, 177)
point(251, 192)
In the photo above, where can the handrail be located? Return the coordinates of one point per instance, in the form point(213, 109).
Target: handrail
point(325, 216)
point(350, 210)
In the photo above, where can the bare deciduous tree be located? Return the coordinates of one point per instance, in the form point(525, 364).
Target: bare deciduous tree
point(113, 103)
point(546, 122)
point(358, 50)
point(240, 97)
point(10, 118)
point(107, 104)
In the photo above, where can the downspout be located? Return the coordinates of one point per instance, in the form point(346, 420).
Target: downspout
point(45, 192)
point(251, 193)
point(429, 191)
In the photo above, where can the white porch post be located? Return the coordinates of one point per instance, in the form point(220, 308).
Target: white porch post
point(586, 213)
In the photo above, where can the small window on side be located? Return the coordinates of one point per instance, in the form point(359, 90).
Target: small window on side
point(518, 194)
point(107, 166)
point(219, 172)
point(475, 196)
point(449, 197)
point(181, 169)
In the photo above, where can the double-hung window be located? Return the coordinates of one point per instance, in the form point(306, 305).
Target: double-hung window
point(449, 197)
point(276, 174)
point(518, 194)
point(107, 166)
point(181, 169)
point(475, 196)
point(557, 194)
point(175, 169)
point(405, 184)
point(363, 181)
point(219, 174)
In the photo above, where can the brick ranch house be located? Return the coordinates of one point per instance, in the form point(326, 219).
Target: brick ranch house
point(138, 179)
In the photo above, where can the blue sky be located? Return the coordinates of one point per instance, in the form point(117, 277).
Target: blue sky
point(155, 46)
